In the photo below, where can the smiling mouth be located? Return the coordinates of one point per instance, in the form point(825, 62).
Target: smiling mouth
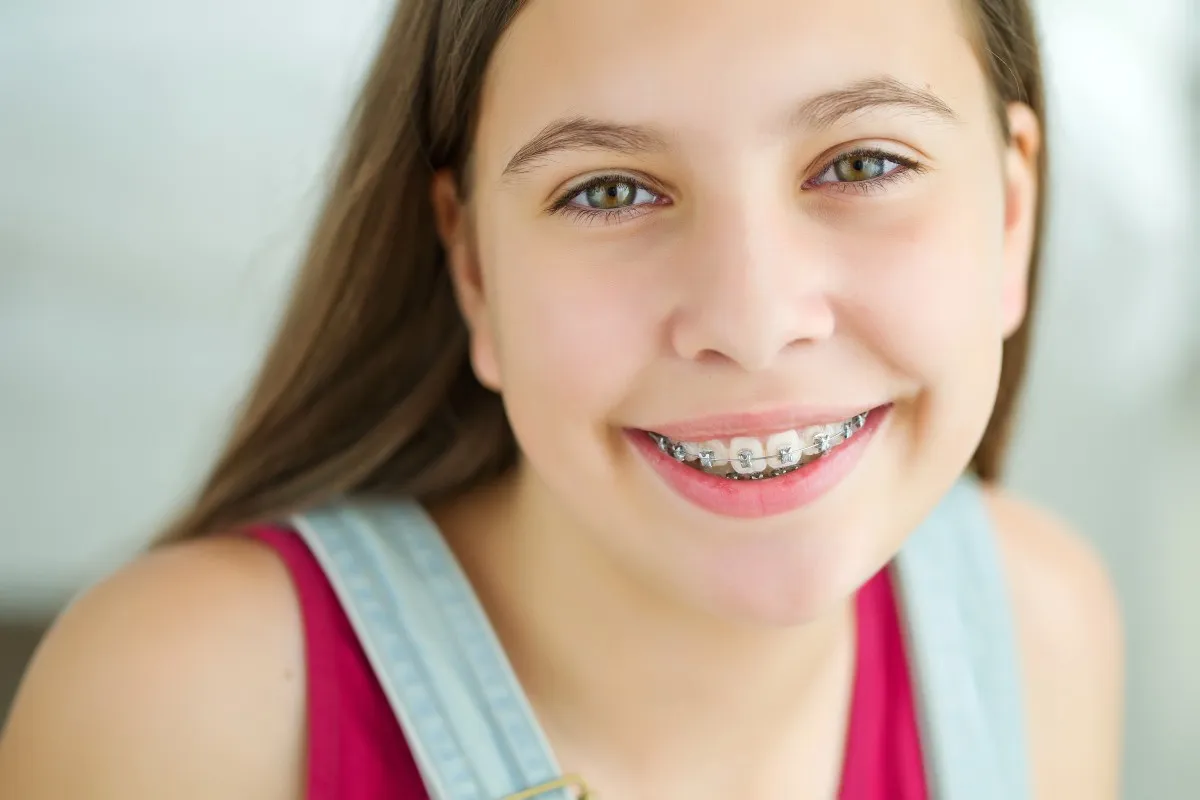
point(753, 458)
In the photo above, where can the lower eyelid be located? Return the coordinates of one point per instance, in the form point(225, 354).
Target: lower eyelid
point(593, 215)
point(866, 187)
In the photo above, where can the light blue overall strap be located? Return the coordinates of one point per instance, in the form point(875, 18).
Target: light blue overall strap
point(963, 653)
point(468, 723)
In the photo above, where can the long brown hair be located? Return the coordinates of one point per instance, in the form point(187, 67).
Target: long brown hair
point(367, 386)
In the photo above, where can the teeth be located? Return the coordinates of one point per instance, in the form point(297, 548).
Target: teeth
point(784, 449)
point(808, 437)
point(820, 439)
point(747, 455)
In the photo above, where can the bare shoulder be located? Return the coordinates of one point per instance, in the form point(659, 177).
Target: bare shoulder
point(1069, 627)
point(180, 676)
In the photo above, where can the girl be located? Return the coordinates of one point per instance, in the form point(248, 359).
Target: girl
point(692, 368)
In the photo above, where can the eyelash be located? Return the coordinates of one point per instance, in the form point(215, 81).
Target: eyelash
point(905, 168)
point(564, 206)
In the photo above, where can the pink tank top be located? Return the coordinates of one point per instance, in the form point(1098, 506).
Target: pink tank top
point(357, 750)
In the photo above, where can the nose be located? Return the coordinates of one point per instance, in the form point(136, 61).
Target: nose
point(752, 291)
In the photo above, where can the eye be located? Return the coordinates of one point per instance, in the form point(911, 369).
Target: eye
point(607, 196)
point(860, 168)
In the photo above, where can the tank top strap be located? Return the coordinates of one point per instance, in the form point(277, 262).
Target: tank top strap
point(472, 731)
point(963, 652)
point(470, 727)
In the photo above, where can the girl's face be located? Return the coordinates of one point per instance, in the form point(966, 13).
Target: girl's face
point(739, 225)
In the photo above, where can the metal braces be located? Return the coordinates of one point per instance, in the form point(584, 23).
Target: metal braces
point(788, 456)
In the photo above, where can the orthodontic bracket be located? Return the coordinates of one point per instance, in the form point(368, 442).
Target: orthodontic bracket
point(788, 456)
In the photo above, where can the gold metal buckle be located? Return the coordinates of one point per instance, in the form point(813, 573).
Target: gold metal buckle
point(565, 782)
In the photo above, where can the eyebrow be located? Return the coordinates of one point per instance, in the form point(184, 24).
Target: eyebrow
point(820, 112)
point(584, 133)
point(828, 109)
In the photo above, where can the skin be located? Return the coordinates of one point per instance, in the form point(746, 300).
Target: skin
point(748, 282)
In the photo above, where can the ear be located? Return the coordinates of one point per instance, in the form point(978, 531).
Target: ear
point(1021, 197)
point(454, 229)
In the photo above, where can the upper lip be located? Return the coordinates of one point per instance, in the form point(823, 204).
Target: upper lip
point(755, 424)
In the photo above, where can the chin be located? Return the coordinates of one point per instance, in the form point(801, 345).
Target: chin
point(781, 576)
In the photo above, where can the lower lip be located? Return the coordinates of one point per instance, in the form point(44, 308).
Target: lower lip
point(762, 498)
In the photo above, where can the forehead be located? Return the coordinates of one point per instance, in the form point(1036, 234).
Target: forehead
point(717, 68)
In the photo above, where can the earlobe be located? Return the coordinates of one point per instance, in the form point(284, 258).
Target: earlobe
point(1021, 199)
point(466, 275)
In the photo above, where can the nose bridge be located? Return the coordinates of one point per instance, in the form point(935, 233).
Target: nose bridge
point(755, 289)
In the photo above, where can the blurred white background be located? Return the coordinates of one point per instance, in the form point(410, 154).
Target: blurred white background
point(160, 163)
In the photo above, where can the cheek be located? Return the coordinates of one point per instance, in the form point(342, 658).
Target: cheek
point(573, 335)
point(927, 287)
point(926, 301)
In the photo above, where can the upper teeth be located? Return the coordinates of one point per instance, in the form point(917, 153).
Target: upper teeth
point(748, 455)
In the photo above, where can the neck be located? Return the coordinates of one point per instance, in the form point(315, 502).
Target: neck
point(613, 665)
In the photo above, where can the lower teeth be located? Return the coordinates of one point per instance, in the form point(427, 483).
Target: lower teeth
point(755, 476)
